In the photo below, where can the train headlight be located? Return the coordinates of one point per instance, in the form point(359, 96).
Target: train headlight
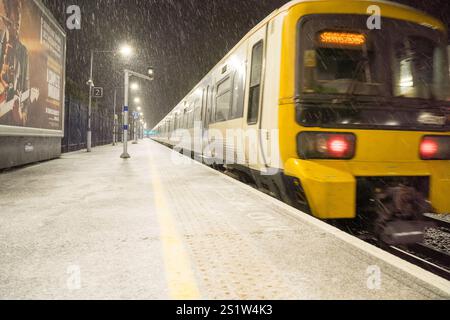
point(320, 145)
point(435, 148)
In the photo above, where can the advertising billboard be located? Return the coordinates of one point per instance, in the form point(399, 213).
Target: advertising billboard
point(32, 70)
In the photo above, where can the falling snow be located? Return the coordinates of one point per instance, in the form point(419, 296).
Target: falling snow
point(182, 39)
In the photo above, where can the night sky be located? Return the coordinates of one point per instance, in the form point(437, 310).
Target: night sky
point(182, 39)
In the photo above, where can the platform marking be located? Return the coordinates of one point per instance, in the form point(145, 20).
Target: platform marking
point(179, 274)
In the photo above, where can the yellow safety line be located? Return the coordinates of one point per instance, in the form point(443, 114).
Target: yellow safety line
point(179, 274)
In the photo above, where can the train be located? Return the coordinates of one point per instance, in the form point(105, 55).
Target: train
point(338, 108)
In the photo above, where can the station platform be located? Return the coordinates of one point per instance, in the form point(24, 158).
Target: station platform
point(159, 226)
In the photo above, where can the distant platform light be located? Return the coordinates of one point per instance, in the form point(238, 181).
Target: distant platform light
point(342, 38)
point(134, 86)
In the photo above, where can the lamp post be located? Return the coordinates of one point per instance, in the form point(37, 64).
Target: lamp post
point(115, 119)
point(135, 129)
point(128, 74)
point(91, 85)
point(124, 51)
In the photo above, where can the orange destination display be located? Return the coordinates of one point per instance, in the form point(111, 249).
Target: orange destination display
point(342, 38)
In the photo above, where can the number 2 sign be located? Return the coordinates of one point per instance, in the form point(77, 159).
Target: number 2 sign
point(98, 92)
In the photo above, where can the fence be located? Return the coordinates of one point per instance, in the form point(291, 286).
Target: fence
point(75, 125)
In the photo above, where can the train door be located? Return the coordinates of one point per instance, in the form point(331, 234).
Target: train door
point(254, 85)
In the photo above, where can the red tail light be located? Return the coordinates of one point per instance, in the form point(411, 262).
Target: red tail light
point(319, 145)
point(428, 148)
point(435, 148)
point(338, 146)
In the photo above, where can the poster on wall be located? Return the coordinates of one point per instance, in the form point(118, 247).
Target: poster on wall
point(32, 67)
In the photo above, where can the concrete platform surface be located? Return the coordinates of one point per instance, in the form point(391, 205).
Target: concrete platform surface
point(157, 226)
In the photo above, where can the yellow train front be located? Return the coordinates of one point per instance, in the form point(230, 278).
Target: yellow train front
point(364, 112)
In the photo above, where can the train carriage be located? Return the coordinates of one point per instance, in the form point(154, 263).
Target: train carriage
point(331, 113)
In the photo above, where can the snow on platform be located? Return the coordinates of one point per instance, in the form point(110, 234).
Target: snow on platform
point(94, 226)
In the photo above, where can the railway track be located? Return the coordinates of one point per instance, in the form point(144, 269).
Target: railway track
point(420, 254)
point(426, 257)
point(423, 256)
point(439, 222)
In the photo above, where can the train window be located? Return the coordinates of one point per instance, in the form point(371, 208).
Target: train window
point(186, 118)
point(418, 69)
point(198, 111)
point(237, 110)
point(190, 119)
point(211, 105)
point(345, 62)
point(223, 100)
point(255, 83)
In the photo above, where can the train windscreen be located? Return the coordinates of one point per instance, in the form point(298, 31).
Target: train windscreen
point(395, 77)
point(342, 56)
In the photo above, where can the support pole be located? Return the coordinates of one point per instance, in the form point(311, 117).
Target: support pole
point(115, 119)
point(125, 154)
point(135, 129)
point(91, 84)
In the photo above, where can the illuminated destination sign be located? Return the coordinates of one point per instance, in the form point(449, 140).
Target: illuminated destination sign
point(342, 38)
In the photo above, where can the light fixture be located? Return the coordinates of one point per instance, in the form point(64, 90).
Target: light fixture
point(126, 51)
point(151, 72)
point(137, 100)
point(134, 86)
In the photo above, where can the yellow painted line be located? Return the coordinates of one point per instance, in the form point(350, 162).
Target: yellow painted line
point(179, 273)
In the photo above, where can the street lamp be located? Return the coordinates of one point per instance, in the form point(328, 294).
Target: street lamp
point(128, 74)
point(151, 72)
point(134, 86)
point(125, 51)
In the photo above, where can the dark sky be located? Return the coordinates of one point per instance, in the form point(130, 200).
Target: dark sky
point(182, 39)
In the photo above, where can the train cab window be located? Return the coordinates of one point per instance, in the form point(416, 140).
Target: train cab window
point(255, 83)
point(223, 100)
point(419, 69)
point(343, 62)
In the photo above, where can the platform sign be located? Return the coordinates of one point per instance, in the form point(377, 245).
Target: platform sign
point(97, 92)
point(33, 73)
